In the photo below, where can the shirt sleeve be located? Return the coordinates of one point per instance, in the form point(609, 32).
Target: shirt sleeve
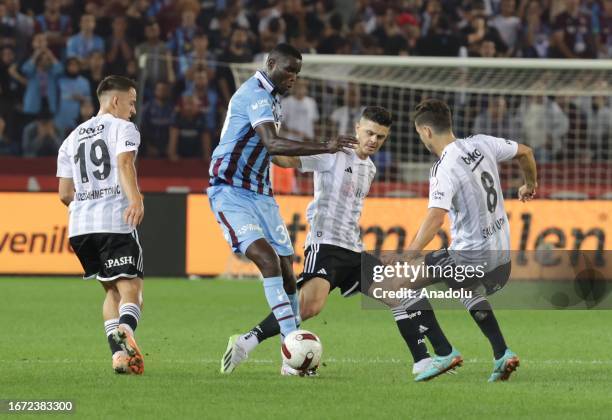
point(259, 109)
point(128, 139)
point(64, 166)
point(441, 189)
point(318, 163)
point(502, 149)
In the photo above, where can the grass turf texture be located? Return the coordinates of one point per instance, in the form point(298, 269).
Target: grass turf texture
point(53, 347)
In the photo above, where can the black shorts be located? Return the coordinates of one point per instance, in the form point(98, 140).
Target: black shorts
point(492, 281)
point(109, 256)
point(341, 267)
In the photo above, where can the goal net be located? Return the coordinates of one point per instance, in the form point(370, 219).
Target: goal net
point(561, 108)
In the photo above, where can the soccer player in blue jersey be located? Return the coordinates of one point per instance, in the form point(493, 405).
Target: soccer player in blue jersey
point(240, 193)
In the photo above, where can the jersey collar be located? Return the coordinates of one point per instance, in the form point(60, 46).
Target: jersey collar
point(266, 82)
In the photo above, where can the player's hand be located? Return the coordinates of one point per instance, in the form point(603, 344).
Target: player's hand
point(342, 144)
point(134, 214)
point(527, 193)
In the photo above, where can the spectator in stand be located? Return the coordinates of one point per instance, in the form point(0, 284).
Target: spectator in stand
point(508, 24)
point(200, 58)
point(136, 15)
point(158, 67)
point(486, 49)
point(55, 25)
point(95, 73)
point(41, 137)
point(300, 113)
point(267, 41)
point(74, 89)
point(604, 31)
point(599, 123)
point(7, 146)
point(42, 70)
point(575, 144)
point(543, 126)
point(155, 123)
point(12, 83)
point(573, 33)
point(433, 10)
point(536, 31)
point(81, 45)
point(345, 117)
point(207, 99)
point(238, 51)
point(477, 29)
point(119, 51)
point(441, 40)
point(22, 24)
point(390, 36)
point(220, 33)
point(132, 70)
point(189, 137)
point(496, 120)
point(7, 32)
point(332, 35)
point(181, 40)
point(85, 112)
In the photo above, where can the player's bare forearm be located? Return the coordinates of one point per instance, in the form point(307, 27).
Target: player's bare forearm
point(428, 230)
point(527, 162)
point(276, 145)
point(66, 190)
point(127, 178)
point(287, 161)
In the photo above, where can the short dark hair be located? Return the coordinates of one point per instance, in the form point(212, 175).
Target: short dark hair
point(377, 114)
point(435, 114)
point(115, 82)
point(285, 50)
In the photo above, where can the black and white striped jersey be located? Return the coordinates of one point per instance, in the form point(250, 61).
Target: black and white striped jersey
point(465, 181)
point(89, 156)
point(341, 183)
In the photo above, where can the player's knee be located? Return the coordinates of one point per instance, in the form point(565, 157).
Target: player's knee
point(268, 264)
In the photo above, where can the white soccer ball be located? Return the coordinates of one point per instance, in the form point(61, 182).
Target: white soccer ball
point(302, 350)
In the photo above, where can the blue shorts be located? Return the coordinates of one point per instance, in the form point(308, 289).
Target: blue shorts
point(245, 216)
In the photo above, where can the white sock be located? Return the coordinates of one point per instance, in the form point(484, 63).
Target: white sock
point(111, 325)
point(248, 341)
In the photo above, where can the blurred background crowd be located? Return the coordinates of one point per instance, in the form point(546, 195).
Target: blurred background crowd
point(55, 52)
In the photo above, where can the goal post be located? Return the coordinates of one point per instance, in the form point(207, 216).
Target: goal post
point(562, 108)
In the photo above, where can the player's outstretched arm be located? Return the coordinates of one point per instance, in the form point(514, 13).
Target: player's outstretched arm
point(527, 162)
point(66, 190)
point(127, 178)
point(276, 145)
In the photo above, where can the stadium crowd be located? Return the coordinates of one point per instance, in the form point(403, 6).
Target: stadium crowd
point(55, 52)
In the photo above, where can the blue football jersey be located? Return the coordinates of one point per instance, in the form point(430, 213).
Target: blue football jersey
point(241, 159)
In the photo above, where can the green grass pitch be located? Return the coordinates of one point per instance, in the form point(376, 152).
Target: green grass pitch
point(52, 346)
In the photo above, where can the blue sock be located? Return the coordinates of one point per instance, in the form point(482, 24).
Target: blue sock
point(295, 305)
point(280, 304)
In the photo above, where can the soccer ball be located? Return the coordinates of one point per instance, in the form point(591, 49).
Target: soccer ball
point(302, 350)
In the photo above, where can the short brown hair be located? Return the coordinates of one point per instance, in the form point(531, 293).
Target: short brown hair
point(435, 114)
point(114, 82)
point(377, 114)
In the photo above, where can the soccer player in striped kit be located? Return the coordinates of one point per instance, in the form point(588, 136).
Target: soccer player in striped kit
point(240, 193)
point(464, 183)
point(97, 181)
